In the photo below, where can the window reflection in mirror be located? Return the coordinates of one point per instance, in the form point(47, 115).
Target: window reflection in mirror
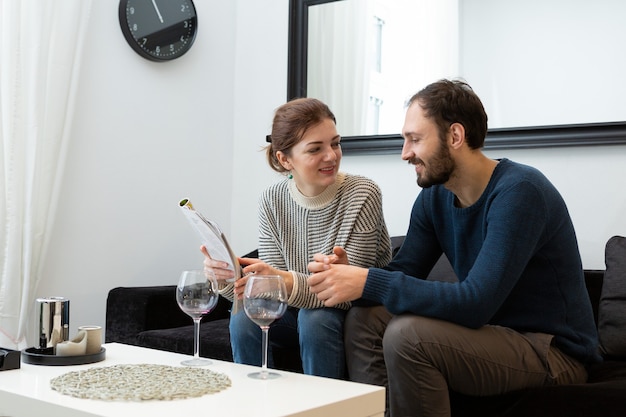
point(532, 62)
point(366, 57)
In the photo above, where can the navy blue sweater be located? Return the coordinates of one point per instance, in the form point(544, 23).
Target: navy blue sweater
point(516, 256)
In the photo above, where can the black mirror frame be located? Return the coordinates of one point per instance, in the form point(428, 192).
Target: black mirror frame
point(586, 134)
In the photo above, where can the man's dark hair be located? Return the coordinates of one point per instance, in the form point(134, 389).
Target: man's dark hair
point(454, 101)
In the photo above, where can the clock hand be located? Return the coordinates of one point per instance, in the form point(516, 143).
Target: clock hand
point(156, 8)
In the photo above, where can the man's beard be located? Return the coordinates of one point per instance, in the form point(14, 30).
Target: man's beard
point(438, 170)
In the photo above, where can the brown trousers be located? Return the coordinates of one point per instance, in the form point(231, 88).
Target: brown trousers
point(418, 359)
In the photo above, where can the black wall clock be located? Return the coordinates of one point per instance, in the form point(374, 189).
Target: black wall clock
point(159, 30)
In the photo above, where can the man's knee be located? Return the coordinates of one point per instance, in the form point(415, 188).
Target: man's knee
point(407, 333)
point(357, 315)
point(372, 320)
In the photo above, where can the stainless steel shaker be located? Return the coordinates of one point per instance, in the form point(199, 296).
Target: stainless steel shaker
point(54, 321)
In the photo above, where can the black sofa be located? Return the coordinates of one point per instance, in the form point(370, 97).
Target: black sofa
point(150, 317)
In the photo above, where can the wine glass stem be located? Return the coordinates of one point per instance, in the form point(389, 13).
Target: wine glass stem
point(264, 330)
point(196, 337)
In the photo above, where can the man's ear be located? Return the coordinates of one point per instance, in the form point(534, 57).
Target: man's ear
point(284, 160)
point(457, 135)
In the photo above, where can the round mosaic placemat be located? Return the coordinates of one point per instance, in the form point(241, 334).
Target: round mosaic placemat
point(140, 382)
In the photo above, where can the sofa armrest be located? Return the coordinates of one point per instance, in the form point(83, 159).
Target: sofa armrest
point(132, 310)
point(593, 281)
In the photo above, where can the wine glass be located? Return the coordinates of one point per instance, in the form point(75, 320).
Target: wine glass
point(196, 295)
point(264, 300)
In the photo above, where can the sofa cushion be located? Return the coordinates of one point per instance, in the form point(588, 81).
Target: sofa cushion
point(612, 308)
point(602, 395)
point(214, 340)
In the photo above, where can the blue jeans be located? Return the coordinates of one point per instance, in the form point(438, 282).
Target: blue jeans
point(319, 332)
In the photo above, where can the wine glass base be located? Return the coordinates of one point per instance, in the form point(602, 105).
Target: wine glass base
point(196, 362)
point(264, 375)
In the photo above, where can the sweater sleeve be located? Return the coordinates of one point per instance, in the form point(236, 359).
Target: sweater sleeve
point(302, 297)
point(369, 243)
point(270, 240)
point(227, 290)
point(488, 259)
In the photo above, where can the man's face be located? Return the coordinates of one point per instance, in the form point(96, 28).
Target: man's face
point(424, 148)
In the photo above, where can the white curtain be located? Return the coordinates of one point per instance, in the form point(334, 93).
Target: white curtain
point(338, 62)
point(40, 57)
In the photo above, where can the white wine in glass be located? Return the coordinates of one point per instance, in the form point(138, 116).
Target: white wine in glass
point(196, 295)
point(265, 300)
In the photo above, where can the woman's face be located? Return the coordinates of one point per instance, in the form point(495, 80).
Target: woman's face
point(314, 161)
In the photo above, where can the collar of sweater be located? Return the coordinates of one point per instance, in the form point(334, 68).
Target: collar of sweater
point(319, 201)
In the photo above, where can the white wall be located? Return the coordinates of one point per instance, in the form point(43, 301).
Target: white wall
point(146, 134)
point(537, 62)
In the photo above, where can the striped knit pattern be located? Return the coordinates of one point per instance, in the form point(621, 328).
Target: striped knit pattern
point(293, 227)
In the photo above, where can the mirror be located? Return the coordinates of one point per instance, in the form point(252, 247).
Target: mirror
point(549, 73)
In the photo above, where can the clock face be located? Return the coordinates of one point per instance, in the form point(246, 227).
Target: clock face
point(159, 30)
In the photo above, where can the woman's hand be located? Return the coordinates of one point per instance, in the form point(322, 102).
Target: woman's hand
point(219, 268)
point(254, 266)
point(322, 262)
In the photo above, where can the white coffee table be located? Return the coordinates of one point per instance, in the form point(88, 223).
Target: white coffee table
point(26, 392)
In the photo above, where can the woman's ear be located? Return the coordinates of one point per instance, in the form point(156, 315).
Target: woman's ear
point(284, 160)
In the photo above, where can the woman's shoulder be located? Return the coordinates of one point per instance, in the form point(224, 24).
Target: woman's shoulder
point(360, 183)
point(354, 179)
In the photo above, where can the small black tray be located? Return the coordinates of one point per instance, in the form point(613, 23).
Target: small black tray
point(9, 359)
point(32, 356)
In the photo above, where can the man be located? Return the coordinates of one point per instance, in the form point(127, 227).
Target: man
point(519, 316)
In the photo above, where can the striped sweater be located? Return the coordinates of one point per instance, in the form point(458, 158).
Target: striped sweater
point(293, 227)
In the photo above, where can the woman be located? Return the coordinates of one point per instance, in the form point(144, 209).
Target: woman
point(311, 211)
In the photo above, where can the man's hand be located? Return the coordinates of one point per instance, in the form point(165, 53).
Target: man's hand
point(336, 283)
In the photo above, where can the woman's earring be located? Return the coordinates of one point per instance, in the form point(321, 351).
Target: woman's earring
point(290, 175)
